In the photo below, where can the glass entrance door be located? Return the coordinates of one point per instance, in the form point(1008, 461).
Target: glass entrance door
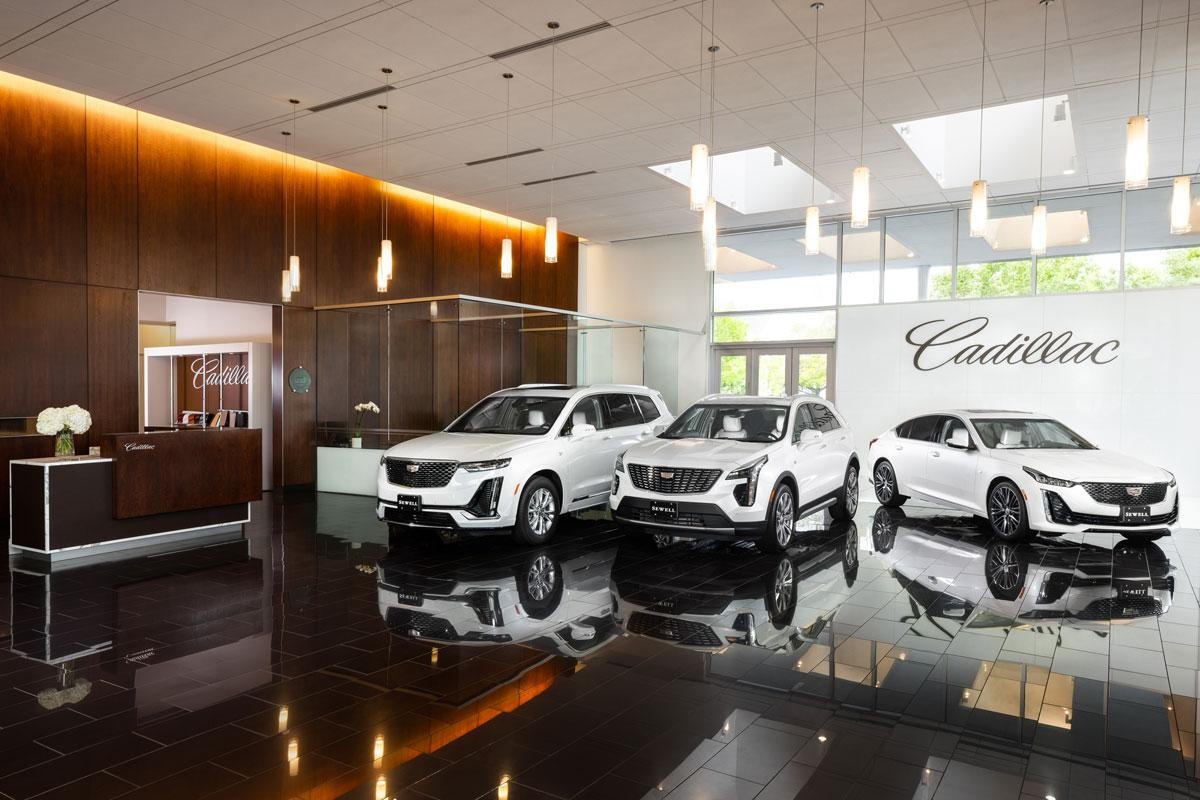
point(775, 371)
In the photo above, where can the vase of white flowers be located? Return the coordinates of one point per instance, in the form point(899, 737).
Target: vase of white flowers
point(360, 409)
point(63, 424)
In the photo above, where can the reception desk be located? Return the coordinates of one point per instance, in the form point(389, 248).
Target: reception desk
point(144, 490)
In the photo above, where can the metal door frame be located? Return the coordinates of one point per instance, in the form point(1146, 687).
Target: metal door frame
point(752, 350)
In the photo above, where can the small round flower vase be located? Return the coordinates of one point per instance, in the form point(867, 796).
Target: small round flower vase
point(356, 442)
point(64, 444)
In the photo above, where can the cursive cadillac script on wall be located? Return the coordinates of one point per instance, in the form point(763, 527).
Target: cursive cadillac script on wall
point(210, 373)
point(939, 343)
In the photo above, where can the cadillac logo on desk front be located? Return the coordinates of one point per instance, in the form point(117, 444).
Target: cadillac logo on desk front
point(939, 343)
point(131, 446)
point(210, 373)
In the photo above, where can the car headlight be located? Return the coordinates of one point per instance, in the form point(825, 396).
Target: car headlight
point(382, 459)
point(1041, 477)
point(749, 474)
point(484, 466)
point(1172, 476)
point(621, 463)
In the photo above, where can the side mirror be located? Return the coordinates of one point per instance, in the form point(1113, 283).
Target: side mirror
point(809, 435)
point(659, 430)
point(582, 430)
point(959, 439)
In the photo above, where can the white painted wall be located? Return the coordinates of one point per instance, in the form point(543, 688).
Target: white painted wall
point(1144, 403)
point(200, 321)
point(660, 280)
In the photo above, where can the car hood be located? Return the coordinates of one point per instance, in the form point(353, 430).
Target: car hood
point(1099, 466)
point(723, 454)
point(462, 446)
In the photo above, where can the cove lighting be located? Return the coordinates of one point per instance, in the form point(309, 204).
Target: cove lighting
point(948, 145)
point(754, 181)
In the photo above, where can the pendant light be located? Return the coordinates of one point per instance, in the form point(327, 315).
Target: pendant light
point(1137, 130)
point(285, 278)
point(979, 201)
point(1037, 228)
point(506, 257)
point(385, 244)
point(1181, 189)
point(551, 248)
point(860, 190)
point(708, 219)
point(812, 216)
point(698, 177)
point(294, 259)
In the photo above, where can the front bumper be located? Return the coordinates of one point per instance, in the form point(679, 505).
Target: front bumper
point(1072, 510)
point(469, 502)
point(706, 520)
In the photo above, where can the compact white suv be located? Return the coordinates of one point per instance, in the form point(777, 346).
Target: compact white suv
point(518, 459)
point(1023, 472)
point(737, 467)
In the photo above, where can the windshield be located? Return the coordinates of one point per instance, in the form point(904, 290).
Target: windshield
point(746, 423)
point(526, 416)
point(1029, 434)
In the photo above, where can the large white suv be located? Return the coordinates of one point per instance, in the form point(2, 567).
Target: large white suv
point(1023, 472)
point(518, 459)
point(738, 467)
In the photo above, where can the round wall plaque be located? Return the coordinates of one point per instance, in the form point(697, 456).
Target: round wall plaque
point(300, 380)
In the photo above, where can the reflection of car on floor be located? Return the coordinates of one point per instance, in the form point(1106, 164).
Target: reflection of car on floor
point(479, 592)
point(1021, 472)
point(953, 572)
point(706, 595)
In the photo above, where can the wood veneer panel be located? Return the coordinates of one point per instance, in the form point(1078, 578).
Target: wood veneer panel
point(348, 228)
point(333, 341)
point(364, 355)
point(455, 248)
point(566, 274)
point(412, 359)
point(538, 279)
point(42, 182)
point(445, 368)
point(112, 234)
point(298, 440)
point(492, 232)
point(410, 224)
point(43, 346)
point(250, 245)
point(112, 346)
point(177, 191)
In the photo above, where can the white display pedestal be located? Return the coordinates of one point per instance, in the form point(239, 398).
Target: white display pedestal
point(347, 470)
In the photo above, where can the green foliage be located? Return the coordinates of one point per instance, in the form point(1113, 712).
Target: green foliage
point(812, 373)
point(1065, 274)
point(1179, 268)
point(994, 279)
point(730, 329)
point(733, 374)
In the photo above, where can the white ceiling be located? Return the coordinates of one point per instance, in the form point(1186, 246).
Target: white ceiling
point(629, 96)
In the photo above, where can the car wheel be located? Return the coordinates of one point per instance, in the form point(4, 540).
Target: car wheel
point(781, 521)
point(887, 489)
point(1006, 512)
point(1004, 571)
point(540, 586)
point(884, 526)
point(781, 592)
point(537, 513)
point(847, 502)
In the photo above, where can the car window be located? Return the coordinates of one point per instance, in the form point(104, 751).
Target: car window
point(804, 421)
point(823, 418)
point(923, 429)
point(904, 429)
point(621, 411)
point(587, 411)
point(649, 409)
point(947, 426)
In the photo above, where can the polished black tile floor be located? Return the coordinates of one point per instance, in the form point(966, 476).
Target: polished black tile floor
point(900, 656)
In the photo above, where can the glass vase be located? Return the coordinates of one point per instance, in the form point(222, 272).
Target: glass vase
point(64, 444)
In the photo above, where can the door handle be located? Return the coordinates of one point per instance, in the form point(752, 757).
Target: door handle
point(937, 455)
point(899, 447)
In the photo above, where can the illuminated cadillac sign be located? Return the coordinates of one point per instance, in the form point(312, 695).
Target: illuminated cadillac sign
point(940, 343)
point(210, 372)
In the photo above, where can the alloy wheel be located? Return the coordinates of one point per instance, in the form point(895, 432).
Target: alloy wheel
point(1003, 567)
point(541, 578)
point(785, 516)
point(785, 577)
point(1004, 510)
point(540, 511)
point(885, 482)
point(851, 491)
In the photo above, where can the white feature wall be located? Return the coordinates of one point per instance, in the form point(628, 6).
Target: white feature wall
point(1146, 402)
point(660, 280)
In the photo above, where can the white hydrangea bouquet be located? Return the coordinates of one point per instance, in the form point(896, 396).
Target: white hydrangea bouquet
point(361, 409)
point(63, 424)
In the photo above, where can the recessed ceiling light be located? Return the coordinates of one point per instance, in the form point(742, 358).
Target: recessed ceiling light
point(754, 181)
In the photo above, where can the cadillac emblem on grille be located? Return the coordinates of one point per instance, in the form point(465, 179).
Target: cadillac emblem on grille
point(665, 475)
point(1134, 491)
point(413, 467)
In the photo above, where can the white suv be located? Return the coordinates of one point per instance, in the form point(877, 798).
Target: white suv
point(518, 458)
point(738, 467)
point(1023, 472)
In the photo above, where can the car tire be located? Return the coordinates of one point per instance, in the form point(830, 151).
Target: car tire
point(1005, 570)
point(887, 488)
point(781, 521)
point(846, 505)
point(780, 593)
point(1008, 517)
point(540, 585)
point(537, 511)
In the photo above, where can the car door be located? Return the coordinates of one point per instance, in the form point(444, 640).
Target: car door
point(625, 426)
point(588, 464)
point(807, 456)
point(908, 452)
point(833, 450)
point(950, 472)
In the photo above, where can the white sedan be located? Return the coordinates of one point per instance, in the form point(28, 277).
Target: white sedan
point(1022, 472)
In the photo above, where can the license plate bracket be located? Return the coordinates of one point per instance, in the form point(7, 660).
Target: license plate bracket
point(666, 510)
point(408, 504)
point(1135, 514)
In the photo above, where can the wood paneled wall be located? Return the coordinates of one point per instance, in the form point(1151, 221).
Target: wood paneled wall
point(98, 201)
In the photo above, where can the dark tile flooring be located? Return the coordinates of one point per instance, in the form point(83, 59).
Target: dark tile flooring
point(901, 656)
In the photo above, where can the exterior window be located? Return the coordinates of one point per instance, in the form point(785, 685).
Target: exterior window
point(860, 264)
point(769, 270)
point(650, 411)
point(918, 253)
point(1154, 257)
point(586, 411)
point(621, 411)
point(922, 429)
point(775, 327)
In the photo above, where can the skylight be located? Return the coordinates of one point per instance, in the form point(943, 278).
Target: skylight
point(755, 181)
point(948, 146)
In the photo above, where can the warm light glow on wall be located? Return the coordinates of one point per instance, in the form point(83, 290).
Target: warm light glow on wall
point(1037, 233)
point(698, 180)
point(506, 258)
point(381, 788)
point(293, 757)
point(812, 231)
point(551, 240)
point(283, 719)
point(979, 209)
point(1181, 205)
point(1137, 152)
point(860, 198)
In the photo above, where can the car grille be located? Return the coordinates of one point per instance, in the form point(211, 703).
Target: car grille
point(673, 629)
point(428, 519)
point(1119, 493)
point(1121, 608)
point(673, 480)
point(418, 623)
point(683, 518)
point(427, 475)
